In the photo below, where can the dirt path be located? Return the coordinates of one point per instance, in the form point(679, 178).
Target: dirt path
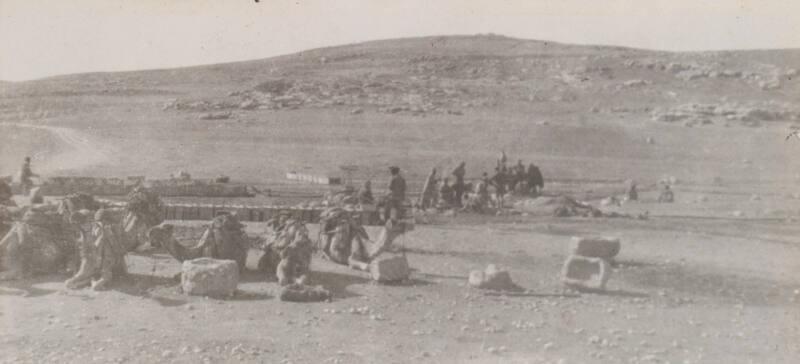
point(81, 151)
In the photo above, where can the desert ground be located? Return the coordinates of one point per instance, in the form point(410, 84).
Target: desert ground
point(712, 278)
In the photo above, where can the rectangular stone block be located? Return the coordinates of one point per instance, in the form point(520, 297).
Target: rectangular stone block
point(209, 277)
point(595, 247)
point(389, 268)
point(586, 273)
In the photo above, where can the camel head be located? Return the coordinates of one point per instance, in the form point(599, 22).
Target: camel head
point(162, 235)
point(146, 205)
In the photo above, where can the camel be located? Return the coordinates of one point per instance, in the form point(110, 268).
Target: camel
point(223, 239)
point(114, 233)
point(288, 253)
point(45, 238)
point(343, 240)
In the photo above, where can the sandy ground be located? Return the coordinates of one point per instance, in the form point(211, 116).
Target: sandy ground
point(684, 290)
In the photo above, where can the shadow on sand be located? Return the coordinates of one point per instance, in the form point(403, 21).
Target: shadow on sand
point(337, 283)
point(25, 287)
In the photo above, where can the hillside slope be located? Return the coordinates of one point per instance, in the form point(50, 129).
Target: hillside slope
point(383, 101)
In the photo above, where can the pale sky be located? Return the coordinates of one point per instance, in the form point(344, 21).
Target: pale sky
point(40, 38)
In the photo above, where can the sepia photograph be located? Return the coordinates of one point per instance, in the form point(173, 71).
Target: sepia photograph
point(378, 181)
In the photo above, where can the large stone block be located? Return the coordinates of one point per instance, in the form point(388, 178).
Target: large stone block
point(595, 247)
point(492, 278)
point(210, 277)
point(586, 273)
point(389, 268)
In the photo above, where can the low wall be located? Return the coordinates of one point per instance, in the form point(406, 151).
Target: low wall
point(311, 178)
point(59, 186)
point(207, 212)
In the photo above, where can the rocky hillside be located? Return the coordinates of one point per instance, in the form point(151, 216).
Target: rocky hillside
point(450, 75)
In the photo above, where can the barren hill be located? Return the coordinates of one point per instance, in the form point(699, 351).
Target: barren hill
point(371, 103)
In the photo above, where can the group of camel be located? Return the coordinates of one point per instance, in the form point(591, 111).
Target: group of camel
point(89, 240)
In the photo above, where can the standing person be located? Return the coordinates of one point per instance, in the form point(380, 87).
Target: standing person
point(482, 190)
point(503, 159)
point(427, 198)
point(446, 195)
point(365, 194)
point(499, 183)
point(25, 175)
point(396, 196)
point(459, 186)
point(519, 175)
point(535, 179)
point(666, 195)
point(632, 194)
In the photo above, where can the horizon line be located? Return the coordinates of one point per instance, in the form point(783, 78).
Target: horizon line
point(226, 62)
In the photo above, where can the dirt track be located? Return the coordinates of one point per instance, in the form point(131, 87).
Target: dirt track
point(78, 150)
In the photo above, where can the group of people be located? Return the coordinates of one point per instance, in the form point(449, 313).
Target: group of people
point(440, 193)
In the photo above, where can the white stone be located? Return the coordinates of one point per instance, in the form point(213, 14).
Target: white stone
point(210, 277)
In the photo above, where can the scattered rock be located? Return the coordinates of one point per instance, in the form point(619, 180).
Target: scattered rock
point(216, 116)
point(249, 104)
point(492, 278)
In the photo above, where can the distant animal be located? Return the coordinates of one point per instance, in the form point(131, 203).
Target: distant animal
point(224, 238)
point(795, 133)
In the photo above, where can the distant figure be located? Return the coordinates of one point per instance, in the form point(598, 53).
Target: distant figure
point(428, 197)
point(446, 195)
point(516, 177)
point(499, 181)
point(459, 187)
point(632, 194)
point(666, 195)
point(535, 179)
point(365, 194)
point(482, 189)
point(25, 175)
point(393, 208)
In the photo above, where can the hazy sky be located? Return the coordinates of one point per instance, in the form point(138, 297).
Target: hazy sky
point(42, 38)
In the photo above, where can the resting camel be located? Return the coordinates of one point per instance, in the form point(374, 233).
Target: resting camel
point(223, 239)
point(343, 240)
point(45, 239)
point(288, 252)
point(114, 233)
